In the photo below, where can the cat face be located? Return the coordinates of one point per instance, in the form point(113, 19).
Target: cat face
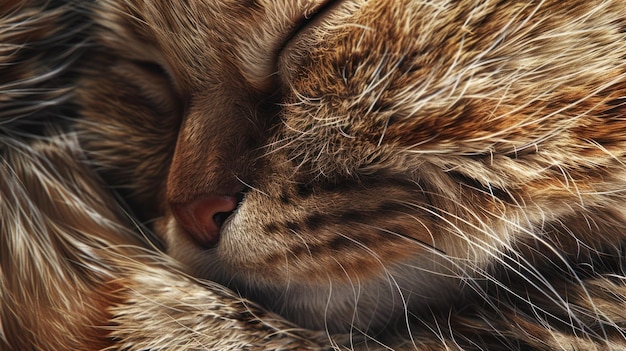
point(344, 162)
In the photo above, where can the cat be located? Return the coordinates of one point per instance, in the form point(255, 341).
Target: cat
point(410, 175)
point(76, 271)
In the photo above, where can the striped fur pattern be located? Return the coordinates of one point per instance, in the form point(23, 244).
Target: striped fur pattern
point(76, 272)
point(412, 175)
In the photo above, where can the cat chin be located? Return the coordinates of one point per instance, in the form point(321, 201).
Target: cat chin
point(361, 306)
point(368, 305)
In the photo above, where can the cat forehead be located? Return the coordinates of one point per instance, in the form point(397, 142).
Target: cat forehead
point(458, 81)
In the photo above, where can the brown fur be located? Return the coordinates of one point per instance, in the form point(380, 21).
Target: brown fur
point(75, 278)
point(73, 273)
point(418, 175)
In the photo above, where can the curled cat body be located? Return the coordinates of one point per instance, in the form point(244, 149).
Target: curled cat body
point(411, 175)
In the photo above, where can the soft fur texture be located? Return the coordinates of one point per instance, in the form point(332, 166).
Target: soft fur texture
point(413, 175)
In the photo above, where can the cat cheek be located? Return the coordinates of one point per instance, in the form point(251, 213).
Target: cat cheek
point(327, 253)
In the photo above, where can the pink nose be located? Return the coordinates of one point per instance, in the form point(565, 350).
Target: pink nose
point(203, 218)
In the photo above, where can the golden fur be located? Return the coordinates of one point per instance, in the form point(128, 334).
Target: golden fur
point(410, 174)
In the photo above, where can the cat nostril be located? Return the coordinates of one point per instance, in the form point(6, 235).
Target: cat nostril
point(203, 218)
point(220, 217)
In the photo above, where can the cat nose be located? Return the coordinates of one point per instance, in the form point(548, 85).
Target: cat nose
point(203, 218)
